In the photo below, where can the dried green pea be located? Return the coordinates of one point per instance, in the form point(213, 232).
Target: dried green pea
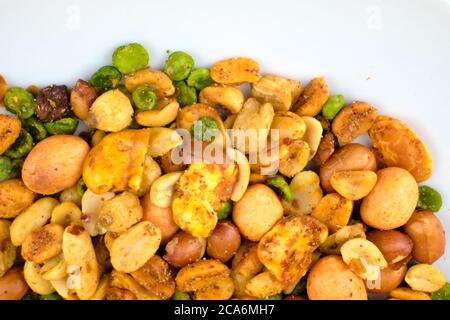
point(144, 98)
point(332, 107)
point(186, 95)
point(62, 126)
point(278, 296)
point(205, 129)
point(180, 295)
point(199, 78)
point(105, 78)
point(429, 199)
point(16, 168)
point(442, 294)
point(300, 288)
point(51, 296)
point(225, 209)
point(20, 102)
point(23, 144)
point(130, 58)
point(35, 127)
point(178, 65)
point(81, 187)
point(282, 186)
point(5, 167)
point(134, 124)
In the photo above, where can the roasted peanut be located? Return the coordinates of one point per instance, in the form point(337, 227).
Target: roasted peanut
point(132, 248)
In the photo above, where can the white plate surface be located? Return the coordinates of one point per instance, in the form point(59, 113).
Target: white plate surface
point(393, 54)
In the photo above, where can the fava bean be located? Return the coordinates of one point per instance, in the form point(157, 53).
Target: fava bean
point(130, 58)
point(144, 98)
point(332, 107)
point(429, 199)
point(178, 65)
point(20, 102)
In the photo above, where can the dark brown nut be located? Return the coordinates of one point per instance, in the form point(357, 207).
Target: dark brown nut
point(13, 285)
point(82, 97)
point(52, 103)
point(184, 249)
point(224, 241)
point(326, 149)
point(394, 245)
point(156, 277)
point(428, 236)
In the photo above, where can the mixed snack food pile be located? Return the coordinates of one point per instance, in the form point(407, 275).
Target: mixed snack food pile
point(297, 211)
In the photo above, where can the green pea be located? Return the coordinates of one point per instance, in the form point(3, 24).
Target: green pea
point(144, 98)
point(22, 145)
point(35, 127)
point(20, 102)
point(199, 79)
point(300, 288)
point(16, 168)
point(442, 294)
point(51, 296)
point(130, 58)
point(62, 126)
point(224, 210)
point(278, 296)
point(282, 186)
point(31, 296)
point(186, 95)
point(429, 199)
point(134, 124)
point(332, 107)
point(124, 90)
point(178, 65)
point(105, 78)
point(80, 187)
point(204, 129)
point(180, 295)
point(5, 167)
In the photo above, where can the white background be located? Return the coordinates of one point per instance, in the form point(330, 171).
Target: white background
point(392, 54)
